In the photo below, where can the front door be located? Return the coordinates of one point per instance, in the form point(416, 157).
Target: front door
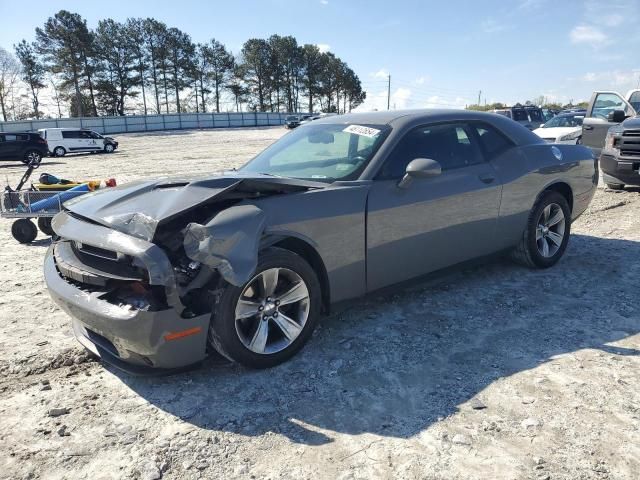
point(434, 222)
point(595, 124)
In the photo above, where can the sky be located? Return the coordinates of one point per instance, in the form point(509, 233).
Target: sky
point(438, 53)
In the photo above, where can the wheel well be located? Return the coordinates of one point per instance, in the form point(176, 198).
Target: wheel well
point(564, 190)
point(306, 251)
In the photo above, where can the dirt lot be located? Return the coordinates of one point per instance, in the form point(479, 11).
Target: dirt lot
point(492, 372)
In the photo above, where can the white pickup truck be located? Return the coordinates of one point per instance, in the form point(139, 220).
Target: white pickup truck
point(601, 115)
point(611, 128)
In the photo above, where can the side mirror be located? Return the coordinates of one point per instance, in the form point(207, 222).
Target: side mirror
point(617, 116)
point(420, 168)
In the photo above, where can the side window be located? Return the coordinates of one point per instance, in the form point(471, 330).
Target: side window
point(634, 100)
point(85, 134)
point(10, 138)
point(535, 115)
point(70, 134)
point(493, 142)
point(452, 145)
point(606, 103)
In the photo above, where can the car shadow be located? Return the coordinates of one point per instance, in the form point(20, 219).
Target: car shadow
point(392, 365)
point(43, 163)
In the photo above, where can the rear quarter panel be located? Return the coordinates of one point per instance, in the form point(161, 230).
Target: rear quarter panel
point(528, 170)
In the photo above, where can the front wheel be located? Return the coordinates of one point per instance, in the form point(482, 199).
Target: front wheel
point(546, 235)
point(108, 148)
point(269, 319)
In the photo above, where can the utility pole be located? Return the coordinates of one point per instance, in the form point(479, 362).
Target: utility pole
point(389, 91)
point(479, 93)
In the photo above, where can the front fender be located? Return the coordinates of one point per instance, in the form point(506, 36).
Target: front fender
point(229, 242)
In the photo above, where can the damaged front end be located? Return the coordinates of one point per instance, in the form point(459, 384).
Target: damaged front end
point(141, 287)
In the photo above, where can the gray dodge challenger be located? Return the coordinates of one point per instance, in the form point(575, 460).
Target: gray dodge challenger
point(157, 274)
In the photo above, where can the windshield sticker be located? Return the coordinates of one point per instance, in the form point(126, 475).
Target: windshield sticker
point(360, 130)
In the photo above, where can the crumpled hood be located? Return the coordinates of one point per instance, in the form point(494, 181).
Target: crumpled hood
point(138, 208)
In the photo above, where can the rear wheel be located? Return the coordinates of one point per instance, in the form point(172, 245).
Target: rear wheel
point(547, 233)
point(615, 186)
point(24, 230)
point(44, 224)
point(267, 320)
point(59, 151)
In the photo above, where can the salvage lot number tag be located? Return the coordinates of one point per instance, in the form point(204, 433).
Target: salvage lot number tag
point(360, 130)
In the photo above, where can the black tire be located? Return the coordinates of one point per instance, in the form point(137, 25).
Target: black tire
point(59, 152)
point(223, 336)
point(108, 148)
point(32, 157)
point(44, 224)
point(615, 186)
point(24, 230)
point(527, 252)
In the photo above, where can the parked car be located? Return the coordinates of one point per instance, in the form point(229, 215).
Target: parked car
point(26, 147)
point(156, 273)
point(611, 129)
point(564, 128)
point(71, 140)
point(291, 121)
point(528, 116)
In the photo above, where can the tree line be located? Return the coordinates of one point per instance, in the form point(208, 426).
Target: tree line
point(145, 66)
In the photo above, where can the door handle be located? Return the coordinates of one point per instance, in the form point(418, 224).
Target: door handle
point(487, 177)
point(588, 127)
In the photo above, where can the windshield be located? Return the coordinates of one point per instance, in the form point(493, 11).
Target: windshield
point(321, 152)
point(291, 118)
point(564, 121)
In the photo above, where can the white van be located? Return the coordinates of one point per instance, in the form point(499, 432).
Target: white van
point(69, 140)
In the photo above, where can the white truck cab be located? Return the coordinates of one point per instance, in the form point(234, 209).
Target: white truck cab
point(70, 140)
point(601, 115)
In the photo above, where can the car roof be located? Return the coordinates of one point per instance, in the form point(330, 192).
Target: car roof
point(402, 119)
point(67, 129)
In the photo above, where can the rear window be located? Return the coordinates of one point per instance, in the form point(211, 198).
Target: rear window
point(520, 116)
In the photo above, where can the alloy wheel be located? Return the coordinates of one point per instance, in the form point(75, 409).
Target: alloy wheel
point(33, 158)
point(550, 230)
point(272, 310)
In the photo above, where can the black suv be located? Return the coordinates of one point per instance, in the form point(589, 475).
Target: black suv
point(26, 147)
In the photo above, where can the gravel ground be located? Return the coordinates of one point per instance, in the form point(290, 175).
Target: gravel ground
point(491, 372)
